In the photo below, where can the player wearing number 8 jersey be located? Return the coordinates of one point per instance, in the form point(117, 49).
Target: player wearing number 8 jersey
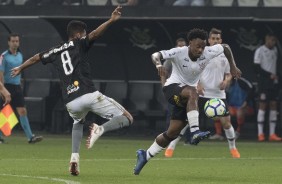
point(79, 92)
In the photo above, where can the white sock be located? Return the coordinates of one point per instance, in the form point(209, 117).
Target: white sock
point(260, 116)
point(260, 119)
point(193, 119)
point(230, 135)
point(74, 157)
point(154, 150)
point(260, 128)
point(272, 121)
point(173, 143)
point(272, 126)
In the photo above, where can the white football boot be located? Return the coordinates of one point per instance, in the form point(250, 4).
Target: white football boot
point(74, 164)
point(95, 132)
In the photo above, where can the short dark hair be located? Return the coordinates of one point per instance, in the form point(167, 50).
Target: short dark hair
point(75, 26)
point(197, 33)
point(13, 35)
point(215, 31)
point(180, 40)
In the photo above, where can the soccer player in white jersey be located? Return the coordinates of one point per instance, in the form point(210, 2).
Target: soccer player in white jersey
point(265, 60)
point(180, 89)
point(213, 81)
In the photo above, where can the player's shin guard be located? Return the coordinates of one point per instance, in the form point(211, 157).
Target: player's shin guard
point(230, 135)
point(272, 121)
point(77, 133)
point(154, 149)
point(193, 120)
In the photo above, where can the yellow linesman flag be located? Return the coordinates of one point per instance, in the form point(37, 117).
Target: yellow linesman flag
point(8, 120)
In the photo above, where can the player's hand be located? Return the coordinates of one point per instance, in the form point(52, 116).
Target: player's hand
point(235, 72)
point(200, 89)
point(6, 96)
point(273, 77)
point(223, 85)
point(15, 71)
point(116, 13)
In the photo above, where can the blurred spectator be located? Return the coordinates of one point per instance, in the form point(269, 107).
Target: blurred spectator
point(43, 2)
point(72, 2)
point(6, 2)
point(189, 3)
point(112, 2)
point(272, 3)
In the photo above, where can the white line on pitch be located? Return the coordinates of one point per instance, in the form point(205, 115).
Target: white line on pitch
point(130, 159)
point(42, 178)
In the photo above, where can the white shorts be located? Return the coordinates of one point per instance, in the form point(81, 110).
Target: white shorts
point(95, 102)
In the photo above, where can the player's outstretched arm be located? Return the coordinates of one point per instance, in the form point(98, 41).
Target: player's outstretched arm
point(235, 72)
point(103, 27)
point(31, 61)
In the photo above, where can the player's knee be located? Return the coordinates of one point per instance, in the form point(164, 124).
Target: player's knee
point(168, 137)
point(128, 116)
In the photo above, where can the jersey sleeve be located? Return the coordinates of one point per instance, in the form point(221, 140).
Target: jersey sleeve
point(215, 50)
point(47, 56)
point(227, 68)
point(85, 43)
point(257, 56)
point(2, 63)
point(169, 54)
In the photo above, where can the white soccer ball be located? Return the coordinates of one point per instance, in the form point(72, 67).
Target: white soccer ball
point(214, 107)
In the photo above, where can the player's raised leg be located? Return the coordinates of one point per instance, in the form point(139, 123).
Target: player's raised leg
point(117, 115)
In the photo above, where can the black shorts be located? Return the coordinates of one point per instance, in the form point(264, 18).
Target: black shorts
point(202, 101)
point(16, 95)
point(172, 94)
point(269, 94)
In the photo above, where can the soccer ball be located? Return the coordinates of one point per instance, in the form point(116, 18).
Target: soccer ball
point(214, 107)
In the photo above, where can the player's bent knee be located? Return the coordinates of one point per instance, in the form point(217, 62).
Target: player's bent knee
point(128, 116)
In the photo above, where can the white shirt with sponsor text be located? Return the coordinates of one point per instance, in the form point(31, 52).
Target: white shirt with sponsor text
point(184, 70)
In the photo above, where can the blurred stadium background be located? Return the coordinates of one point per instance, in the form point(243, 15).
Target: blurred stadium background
point(121, 62)
point(122, 69)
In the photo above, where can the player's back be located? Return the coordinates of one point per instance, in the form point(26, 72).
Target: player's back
point(71, 61)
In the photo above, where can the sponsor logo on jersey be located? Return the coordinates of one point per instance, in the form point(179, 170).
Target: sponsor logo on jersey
point(55, 50)
point(203, 65)
point(108, 116)
point(172, 54)
point(186, 59)
point(72, 88)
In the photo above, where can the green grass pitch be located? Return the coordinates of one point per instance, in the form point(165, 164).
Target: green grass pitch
point(112, 159)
